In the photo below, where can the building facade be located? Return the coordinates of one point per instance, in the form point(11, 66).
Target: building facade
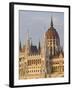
point(46, 60)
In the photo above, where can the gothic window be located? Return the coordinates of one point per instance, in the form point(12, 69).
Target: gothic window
point(34, 62)
point(54, 42)
point(38, 61)
point(54, 50)
point(29, 62)
point(50, 40)
point(50, 50)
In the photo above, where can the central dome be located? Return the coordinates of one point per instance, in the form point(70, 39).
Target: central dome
point(51, 32)
point(52, 40)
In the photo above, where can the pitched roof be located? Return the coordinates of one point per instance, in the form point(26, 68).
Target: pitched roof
point(33, 49)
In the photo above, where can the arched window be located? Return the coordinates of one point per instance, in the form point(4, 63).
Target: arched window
point(50, 50)
point(54, 50)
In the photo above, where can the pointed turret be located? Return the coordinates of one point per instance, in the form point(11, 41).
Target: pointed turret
point(27, 46)
point(43, 47)
point(20, 48)
point(39, 47)
point(31, 43)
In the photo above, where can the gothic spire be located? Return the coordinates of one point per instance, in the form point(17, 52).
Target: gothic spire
point(20, 46)
point(31, 43)
point(39, 47)
point(27, 34)
point(51, 22)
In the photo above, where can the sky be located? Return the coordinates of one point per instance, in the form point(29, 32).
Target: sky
point(37, 22)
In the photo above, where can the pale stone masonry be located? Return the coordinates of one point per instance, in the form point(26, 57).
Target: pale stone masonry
point(46, 61)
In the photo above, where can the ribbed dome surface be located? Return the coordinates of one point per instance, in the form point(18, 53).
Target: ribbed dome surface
point(52, 33)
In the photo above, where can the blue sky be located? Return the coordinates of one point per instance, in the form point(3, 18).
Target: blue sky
point(38, 22)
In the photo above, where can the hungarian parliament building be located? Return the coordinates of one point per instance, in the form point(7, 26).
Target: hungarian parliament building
point(44, 61)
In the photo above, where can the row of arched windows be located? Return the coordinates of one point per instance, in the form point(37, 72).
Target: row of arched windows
point(58, 69)
point(37, 61)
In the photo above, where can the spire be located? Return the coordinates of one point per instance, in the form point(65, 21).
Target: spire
point(27, 47)
point(39, 48)
point(27, 34)
point(27, 39)
point(39, 45)
point(31, 43)
point(20, 46)
point(51, 22)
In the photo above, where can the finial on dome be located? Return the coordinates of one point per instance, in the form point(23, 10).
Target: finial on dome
point(51, 22)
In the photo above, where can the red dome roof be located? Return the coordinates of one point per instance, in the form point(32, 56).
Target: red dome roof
point(52, 33)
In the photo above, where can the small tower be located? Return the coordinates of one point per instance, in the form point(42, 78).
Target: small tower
point(43, 53)
point(39, 47)
point(31, 43)
point(27, 46)
point(43, 48)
